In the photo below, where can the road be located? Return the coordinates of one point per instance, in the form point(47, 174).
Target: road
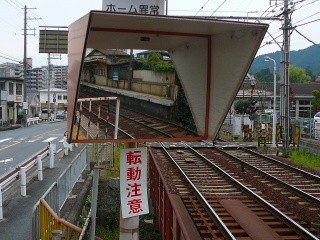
point(22, 143)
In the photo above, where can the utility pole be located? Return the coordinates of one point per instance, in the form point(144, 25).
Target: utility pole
point(25, 98)
point(49, 83)
point(285, 82)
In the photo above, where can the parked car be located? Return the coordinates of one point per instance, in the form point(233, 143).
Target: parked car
point(60, 114)
point(316, 117)
point(308, 127)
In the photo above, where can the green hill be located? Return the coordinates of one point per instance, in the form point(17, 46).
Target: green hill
point(308, 57)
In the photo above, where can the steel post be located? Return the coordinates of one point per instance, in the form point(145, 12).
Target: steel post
point(51, 153)
point(23, 181)
point(1, 210)
point(39, 161)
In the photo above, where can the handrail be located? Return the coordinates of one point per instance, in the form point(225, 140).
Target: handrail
point(60, 221)
point(7, 179)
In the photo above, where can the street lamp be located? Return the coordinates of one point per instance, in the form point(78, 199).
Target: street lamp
point(274, 122)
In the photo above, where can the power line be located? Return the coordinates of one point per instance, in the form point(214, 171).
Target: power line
point(14, 6)
point(218, 8)
point(11, 59)
point(318, 45)
point(202, 7)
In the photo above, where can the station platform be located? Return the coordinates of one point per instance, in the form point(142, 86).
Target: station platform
point(133, 94)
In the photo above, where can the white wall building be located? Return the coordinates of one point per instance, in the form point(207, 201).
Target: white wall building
point(11, 104)
point(58, 99)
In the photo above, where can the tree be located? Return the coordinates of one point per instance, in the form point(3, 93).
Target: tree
point(264, 75)
point(310, 73)
point(315, 101)
point(298, 75)
point(241, 106)
point(155, 63)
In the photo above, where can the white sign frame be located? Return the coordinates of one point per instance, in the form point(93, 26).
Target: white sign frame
point(147, 7)
point(133, 182)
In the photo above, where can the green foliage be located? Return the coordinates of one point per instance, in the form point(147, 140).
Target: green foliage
point(298, 75)
point(305, 158)
point(184, 115)
point(155, 63)
point(81, 221)
point(310, 74)
point(264, 75)
point(316, 100)
point(88, 201)
point(241, 106)
point(304, 58)
point(107, 234)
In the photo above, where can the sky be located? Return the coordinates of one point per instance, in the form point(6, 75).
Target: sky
point(305, 18)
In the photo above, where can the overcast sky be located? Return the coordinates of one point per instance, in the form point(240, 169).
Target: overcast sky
point(64, 12)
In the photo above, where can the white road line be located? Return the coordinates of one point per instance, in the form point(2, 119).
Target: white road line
point(6, 160)
point(61, 140)
point(34, 140)
point(49, 139)
point(6, 139)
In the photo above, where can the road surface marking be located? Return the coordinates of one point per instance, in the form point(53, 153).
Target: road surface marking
point(49, 139)
point(6, 160)
point(9, 146)
point(49, 131)
point(6, 139)
point(34, 140)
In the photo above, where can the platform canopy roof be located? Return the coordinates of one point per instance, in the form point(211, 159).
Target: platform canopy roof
point(211, 57)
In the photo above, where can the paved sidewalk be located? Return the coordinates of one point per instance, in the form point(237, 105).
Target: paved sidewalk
point(17, 222)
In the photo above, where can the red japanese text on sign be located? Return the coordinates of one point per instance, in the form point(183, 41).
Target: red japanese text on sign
point(133, 182)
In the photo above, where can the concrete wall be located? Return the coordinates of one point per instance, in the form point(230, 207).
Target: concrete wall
point(157, 77)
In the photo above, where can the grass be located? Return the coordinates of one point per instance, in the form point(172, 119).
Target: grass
point(305, 158)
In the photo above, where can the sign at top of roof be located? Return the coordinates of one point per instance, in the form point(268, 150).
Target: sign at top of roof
point(148, 7)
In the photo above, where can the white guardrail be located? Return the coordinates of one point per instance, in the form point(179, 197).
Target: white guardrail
point(32, 121)
point(19, 172)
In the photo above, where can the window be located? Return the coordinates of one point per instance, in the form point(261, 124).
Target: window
point(65, 97)
point(19, 89)
point(2, 86)
point(99, 72)
point(11, 88)
point(0, 112)
point(59, 97)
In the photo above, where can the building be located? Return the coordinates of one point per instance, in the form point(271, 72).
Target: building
point(11, 70)
point(11, 105)
point(299, 100)
point(58, 99)
point(36, 78)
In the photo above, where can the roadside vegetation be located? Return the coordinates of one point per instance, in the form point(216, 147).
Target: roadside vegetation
point(305, 158)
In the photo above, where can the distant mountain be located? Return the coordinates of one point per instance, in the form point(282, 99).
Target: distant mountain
point(308, 57)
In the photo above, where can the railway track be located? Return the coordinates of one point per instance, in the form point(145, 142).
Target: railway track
point(295, 189)
point(132, 124)
point(221, 206)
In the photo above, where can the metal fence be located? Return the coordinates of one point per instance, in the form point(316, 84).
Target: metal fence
point(57, 194)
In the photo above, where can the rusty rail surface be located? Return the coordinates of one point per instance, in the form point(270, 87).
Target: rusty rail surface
point(210, 188)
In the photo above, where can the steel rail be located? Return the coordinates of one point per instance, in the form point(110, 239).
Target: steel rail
point(294, 189)
point(109, 123)
point(214, 216)
point(153, 117)
point(140, 123)
point(284, 218)
point(281, 163)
